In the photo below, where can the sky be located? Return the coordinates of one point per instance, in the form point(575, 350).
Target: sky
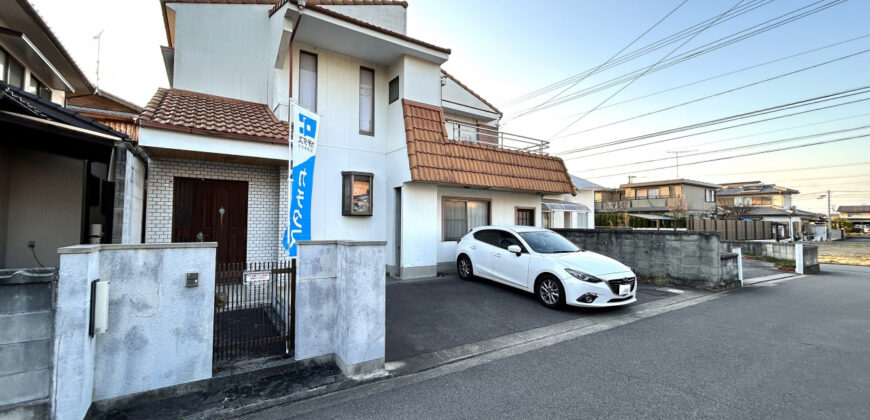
point(507, 48)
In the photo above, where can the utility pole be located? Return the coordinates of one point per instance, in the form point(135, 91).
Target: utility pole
point(828, 233)
point(676, 154)
point(99, 38)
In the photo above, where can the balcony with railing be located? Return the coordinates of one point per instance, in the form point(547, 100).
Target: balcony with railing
point(492, 136)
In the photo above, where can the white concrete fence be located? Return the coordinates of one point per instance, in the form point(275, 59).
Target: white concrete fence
point(160, 327)
point(159, 331)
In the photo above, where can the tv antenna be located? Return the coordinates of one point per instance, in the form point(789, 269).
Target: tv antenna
point(99, 38)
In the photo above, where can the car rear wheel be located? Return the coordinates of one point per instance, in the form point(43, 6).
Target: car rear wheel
point(464, 267)
point(550, 292)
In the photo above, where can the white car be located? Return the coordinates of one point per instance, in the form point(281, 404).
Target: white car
point(543, 262)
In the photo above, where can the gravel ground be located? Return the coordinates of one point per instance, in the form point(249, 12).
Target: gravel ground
point(844, 252)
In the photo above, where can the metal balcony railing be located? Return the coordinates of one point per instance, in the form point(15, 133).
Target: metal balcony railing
point(491, 136)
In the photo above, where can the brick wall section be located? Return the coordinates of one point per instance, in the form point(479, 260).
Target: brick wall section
point(263, 198)
point(283, 209)
point(676, 258)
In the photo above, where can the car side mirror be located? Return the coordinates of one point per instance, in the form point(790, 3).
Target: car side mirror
point(515, 249)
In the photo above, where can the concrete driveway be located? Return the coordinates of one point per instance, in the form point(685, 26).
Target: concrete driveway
point(425, 316)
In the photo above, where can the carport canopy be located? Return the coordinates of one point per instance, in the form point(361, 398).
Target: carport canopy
point(564, 206)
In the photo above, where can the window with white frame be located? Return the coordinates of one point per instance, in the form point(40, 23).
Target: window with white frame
point(460, 131)
point(460, 215)
point(308, 80)
point(366, 101)
point(710, 196)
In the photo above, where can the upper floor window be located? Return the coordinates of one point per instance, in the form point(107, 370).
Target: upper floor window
point(762, 200)
point(11, 71)
point(308, 80)
point(672, 191)
point(710, 196)
point(653, 193)
point(461, 131)
point(366, 101)
point(36, 87)
point(394, 89)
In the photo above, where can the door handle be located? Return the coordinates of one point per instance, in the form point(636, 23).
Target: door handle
point(497, 255)
point(474, 247)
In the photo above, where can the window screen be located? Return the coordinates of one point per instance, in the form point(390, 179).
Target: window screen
point(308, 80)
point(366, 101)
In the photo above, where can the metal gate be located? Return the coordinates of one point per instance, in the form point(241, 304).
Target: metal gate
point(254, 308)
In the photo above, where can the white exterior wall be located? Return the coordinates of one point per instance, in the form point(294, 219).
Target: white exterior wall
point(503, 206)
point(388, 17)
point(263, 194)
point(221, 49)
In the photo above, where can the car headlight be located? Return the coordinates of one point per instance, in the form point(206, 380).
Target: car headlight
point(579, 275)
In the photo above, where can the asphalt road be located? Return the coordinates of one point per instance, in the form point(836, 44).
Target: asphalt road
point(437, 314)
point(796, 349)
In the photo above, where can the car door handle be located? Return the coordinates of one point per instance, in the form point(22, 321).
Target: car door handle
point(474, 247)
point(497, 255)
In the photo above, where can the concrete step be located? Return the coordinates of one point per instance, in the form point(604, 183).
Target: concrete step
point(31, 410)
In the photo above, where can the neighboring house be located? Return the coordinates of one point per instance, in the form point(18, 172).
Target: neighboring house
point(567, 211)
point(684, 197)
point(858, 215)
point(755, 194)
point(755, 200)
point(60, 172)
point(219, 149)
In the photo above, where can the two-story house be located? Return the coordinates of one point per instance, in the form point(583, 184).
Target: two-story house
point(675, 197)
point(218, 138)
point(859, 216)
point(755, 200)
point(65, 178)
point(755, 194)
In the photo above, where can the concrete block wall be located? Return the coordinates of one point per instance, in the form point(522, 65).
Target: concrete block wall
point(783, 251)
point(129, 194)
point(160, 332)
point(263, 200)
point(26, 311)
point(340, 304)
point(661, 257)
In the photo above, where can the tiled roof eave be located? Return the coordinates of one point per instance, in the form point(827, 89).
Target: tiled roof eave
point(193, 130)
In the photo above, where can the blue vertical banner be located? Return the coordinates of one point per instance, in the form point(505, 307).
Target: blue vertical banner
point(303, 141)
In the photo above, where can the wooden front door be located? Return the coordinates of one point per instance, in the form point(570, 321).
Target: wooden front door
point(207, 210)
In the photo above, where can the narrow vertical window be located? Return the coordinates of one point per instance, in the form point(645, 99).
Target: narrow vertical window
point(308, 80)
point(366, 101)
point(2, 65)
point(394, 89)
point(16, 73)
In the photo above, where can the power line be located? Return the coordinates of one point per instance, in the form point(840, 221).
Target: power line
point(661, 43)
point(801, 169)
point(614, 56)
point(743, 155)
point(714, 77)
point(749, 146)
point(718, 93)
point(738, 125)
point(630, 82)
point(701, 50)
point(804, 102)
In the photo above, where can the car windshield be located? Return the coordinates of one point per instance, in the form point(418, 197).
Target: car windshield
point(547, 242)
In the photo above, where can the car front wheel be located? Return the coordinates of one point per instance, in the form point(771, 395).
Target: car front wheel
point(550, 292)
point(463, 265)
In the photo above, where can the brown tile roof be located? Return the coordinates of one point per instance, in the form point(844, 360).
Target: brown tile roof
point(404, 4)
point(434, 158)
point(199, 113)
point(361, 23)
point(472, 92)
